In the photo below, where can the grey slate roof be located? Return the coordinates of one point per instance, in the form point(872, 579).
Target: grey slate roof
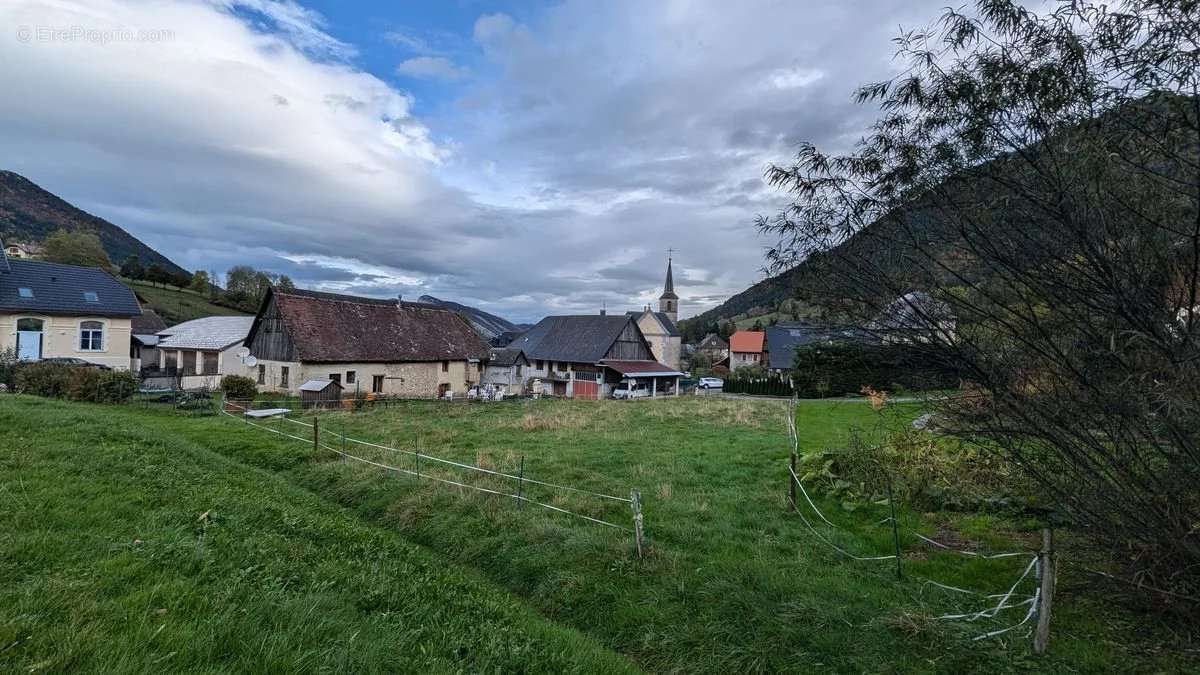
point(783, 340)
point(578, 339)
point(210, 332)
point(504, 356)
point(59, 290)
point(713, 341)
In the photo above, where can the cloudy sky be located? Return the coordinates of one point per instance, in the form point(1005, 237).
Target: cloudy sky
point(527, 158)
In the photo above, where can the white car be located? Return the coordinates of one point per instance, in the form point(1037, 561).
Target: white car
point(710, 383)
point(629, 390)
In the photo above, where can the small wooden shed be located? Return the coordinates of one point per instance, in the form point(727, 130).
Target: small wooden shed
point(321, 394)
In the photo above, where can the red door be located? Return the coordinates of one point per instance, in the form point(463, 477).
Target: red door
point(587, 390)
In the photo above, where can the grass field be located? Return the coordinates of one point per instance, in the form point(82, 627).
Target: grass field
point(176, 305)
point(732, 582)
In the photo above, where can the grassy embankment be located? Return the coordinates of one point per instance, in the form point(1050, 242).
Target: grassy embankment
point(126, 549)
point(733, 581)
point(176, 305)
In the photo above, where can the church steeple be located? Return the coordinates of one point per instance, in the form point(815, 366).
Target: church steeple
point(668, 302)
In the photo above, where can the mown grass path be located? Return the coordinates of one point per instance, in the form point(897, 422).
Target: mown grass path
point(733, 581)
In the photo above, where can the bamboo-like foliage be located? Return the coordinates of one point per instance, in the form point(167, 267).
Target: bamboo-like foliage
point(1038, 176)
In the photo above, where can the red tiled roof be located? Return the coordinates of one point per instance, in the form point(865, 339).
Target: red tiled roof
point(644, 368)
point(747, 341)
point(326, 327)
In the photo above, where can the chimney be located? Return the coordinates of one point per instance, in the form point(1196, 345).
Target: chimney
point(399, 301)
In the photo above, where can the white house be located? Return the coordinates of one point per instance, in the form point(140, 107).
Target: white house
point(202, 351)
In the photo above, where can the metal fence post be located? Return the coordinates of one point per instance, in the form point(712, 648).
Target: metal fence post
point(635, 499)
point(521, 483)
point(895, 527)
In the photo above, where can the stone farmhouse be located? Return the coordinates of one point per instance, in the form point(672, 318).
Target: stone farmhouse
point(368, 346)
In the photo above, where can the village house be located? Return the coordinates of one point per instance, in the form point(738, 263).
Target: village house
point(196, 354)
point(588, 356)
point(914, 317)
point(21, 251)
point(659, 327)
point(380, 347)
point(715, 347)
point(143, 352)
point(783, 339)
point(49, 310)
point(747, 348)
point(507, 368)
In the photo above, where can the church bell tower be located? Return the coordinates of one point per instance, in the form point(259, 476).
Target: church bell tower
point(668, 302)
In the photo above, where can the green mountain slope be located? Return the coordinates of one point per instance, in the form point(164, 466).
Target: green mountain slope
point(176, 305)
point(30, 214)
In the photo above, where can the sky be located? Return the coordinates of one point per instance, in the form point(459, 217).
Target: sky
point(526, 158)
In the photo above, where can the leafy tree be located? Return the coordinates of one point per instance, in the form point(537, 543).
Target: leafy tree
point(758, 325)
point(199, 281)
point(76, 248)
point(1037, 176)
point(132, 268)
point(157, 274)
point(285, 282)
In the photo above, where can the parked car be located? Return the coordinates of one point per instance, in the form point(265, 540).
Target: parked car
point(629, 390)
point(711, 383)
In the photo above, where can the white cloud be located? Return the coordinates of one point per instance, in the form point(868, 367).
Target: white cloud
point(591, 139)
point(431, 67)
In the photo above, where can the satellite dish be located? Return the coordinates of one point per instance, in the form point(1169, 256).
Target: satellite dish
point(251, 362)
point(243, 352)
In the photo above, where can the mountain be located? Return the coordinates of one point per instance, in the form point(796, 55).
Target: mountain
point(488, 325)
point(29, 214)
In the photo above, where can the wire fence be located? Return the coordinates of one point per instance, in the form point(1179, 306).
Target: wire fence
point(511, 486)
point(1013, 598)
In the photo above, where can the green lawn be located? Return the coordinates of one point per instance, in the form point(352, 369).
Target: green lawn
point(176, 305)
point(733, 582)
point(126, 549)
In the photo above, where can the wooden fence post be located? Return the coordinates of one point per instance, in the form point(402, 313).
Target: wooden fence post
point(1046, 572)
point(635, 498)
point(316, 433)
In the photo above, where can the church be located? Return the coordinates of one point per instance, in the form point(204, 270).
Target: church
point(659, 327)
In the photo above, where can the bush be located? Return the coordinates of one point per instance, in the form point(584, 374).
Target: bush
point(57, 380)
point(9, 365)
point(239, 388)
point(44, 379)
point(927, 472)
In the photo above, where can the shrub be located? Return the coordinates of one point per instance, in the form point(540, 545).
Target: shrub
point(9, 365)
point(44, 379)
point(239, 388)
point(100, 386)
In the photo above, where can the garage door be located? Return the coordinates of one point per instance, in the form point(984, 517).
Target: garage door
point(587, 390)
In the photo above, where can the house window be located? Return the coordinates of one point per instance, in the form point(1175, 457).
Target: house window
point(350, 376)
point(518, 370)
point(91, 336)
point(189, 362)
point(211, 363)
point(445, 366)
point(262, 374)
point(335, 377)
point(540, 364)
point(283, 376)
point(90, 296)
point(377, 384)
